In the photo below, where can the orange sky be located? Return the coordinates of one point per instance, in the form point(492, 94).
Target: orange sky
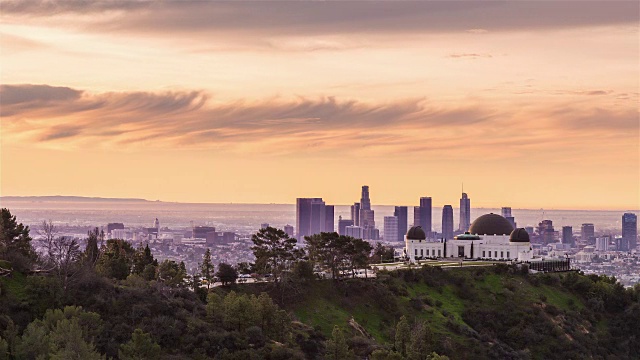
point(530, 104)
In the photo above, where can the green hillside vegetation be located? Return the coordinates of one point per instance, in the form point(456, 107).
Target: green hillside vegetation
point(119, 302)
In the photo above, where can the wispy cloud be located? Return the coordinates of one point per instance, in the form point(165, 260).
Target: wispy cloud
point(470, 56)
point(47, 114)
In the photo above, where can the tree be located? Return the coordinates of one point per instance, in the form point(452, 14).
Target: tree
point(92, 252)
point(140, 347)
point(65, 256)
point(15, 242)
point(421, 339)
point(116, 259)
point(206, 268)
point(48, 233)
point(382, 253)
point(141, 259)
point(62, 334)
point(171, 273)
point(357, 254)
point(275, 250)
point(337, 348)
point(227, 274)
point(403, 336)
point(328, 249)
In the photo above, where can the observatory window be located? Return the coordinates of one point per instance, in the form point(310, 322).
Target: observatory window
point(416, 252)
point(438, 253)
point(501, 254)
point(508, 255)
point(495, 254)
point(483, 254)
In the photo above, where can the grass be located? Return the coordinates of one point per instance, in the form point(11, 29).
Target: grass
point(14, 285)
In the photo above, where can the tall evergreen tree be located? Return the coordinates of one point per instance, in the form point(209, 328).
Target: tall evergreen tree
point(337, 347)
point(15, 242)
point(207, 268)
point(403, 336)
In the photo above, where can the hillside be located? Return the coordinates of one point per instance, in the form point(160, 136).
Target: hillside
point(482, 313)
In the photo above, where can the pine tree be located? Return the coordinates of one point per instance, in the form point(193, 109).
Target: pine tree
point(403, 336)
point(337, 348)
point(140, 347)
point(207, 268)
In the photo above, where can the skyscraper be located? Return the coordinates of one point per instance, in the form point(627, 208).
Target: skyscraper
point(567, 235)
point(365, 202)
point(401, 213)
point(311, 217)
point(329, 221)
point(390, 228)
point(342, 224)
point(288, 229)
point(355, 214)
point(630, 230)
point(587, 233)
point(465, 213)
point(422, 215)
point(367, 216)
point(546, 231)
point(447, 222)
point(506, 213)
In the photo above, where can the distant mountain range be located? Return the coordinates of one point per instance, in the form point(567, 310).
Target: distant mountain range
point(67, 198)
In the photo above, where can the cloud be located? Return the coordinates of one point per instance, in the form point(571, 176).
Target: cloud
point(193, 119)
point(470, 55)
point(323, 18)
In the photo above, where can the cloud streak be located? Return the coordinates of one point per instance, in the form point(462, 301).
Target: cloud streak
point(322, 18)
point(47, 114)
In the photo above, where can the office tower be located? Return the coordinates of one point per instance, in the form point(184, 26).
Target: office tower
point(264, 225)
point(311, 216)
point(288, 229)
point(567, 235)
point(465, 213)
point(506, 213)
point(354, 231)
point(367, 217)
point(200, 232)
point(355, 214)
point(422, 215)
point(390, 228)
point(630, 230)
point(329, 224)
point(401, 213)
point(365, 202)
point(546, 232)
point(114, 226)
point(447, 222)
point(318, 217)
point(342, 224)
point(602, 243)
point(587, 233)
point(156, 224)
point(529, 230)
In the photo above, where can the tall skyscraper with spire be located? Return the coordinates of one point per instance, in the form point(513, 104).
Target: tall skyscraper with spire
point(465, 212)
point(367, 216)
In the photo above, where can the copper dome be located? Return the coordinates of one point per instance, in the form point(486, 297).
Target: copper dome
point(491, 224)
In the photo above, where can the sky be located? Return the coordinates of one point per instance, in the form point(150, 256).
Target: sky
point(530, 104)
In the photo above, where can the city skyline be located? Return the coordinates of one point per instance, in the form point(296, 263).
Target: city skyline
point(321, 98)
